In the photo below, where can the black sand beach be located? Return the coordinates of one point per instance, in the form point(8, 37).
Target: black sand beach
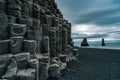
point(94, 64)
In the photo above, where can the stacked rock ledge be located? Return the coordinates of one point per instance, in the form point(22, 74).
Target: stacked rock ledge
point(35, 40)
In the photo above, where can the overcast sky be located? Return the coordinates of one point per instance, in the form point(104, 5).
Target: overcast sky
point(94, 19)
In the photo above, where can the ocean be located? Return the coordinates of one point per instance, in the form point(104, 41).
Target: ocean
point(97, 44)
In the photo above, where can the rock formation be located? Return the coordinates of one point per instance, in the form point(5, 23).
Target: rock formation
point(34, 40)
point(103, 42)
point(84, 42)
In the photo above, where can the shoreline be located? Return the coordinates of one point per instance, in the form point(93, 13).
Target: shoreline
point(105, 48)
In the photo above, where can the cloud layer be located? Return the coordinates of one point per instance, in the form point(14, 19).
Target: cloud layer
point(99, 12)
point(94, 19)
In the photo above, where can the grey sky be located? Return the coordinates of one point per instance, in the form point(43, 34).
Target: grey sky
point(103, 14)
point(91, 11)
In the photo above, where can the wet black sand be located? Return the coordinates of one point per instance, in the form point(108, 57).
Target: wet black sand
point(94, 64)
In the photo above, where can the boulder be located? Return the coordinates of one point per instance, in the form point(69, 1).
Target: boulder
point(22, 60)
point(4, 46)
point(11, 71)
point(4, 62)
point(3, 27)
point(17, 29)
point(16, 44)
point(26, 74)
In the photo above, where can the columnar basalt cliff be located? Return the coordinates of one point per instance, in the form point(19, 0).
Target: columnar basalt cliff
point(35, 40)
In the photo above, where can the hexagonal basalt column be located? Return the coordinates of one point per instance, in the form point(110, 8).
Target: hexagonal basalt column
point(27, 20)
point(30, 46)
point(17, 29)
point(16, 44)
point(45, 45)
point(52, 35)
point(4, 46)
point(3, 27)
point(14, 8)
point(3, 6)
point(64, 40)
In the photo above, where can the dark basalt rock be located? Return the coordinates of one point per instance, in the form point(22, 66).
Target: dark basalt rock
point(11, 71)
point(16, 44)
point(3, 5)
point(22, 60)
point(15, 13)
point(11, 19)
point(36, 34)
point(103, 42)
point(30, 46)
point(17, 29)
point(26, 74)
point(4, 46)
point(34, 63)
point(4, 62)
point(45, 45)
point(54, 71)
point(27, 20)
point(3, 27)
point(84, 42)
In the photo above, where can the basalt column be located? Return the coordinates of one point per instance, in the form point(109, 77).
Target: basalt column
point(35, 40)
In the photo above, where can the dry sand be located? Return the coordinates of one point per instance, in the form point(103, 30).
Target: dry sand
point(94, 64)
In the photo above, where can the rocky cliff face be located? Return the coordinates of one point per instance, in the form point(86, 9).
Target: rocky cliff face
point(35, 40)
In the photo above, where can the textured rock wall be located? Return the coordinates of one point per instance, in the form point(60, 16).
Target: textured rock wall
point(35, 40)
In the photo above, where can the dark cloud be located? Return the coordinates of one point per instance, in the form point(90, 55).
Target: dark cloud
point(99, 12)
point(105, 17)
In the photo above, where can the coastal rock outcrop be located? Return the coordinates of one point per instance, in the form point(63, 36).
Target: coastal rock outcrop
point(35, 40)
point(84, 42)
point(103, 42)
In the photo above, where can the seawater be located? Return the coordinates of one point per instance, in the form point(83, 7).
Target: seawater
point(109, 45)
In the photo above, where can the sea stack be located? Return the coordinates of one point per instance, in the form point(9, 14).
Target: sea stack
point(84, 42)
point(103, 42)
